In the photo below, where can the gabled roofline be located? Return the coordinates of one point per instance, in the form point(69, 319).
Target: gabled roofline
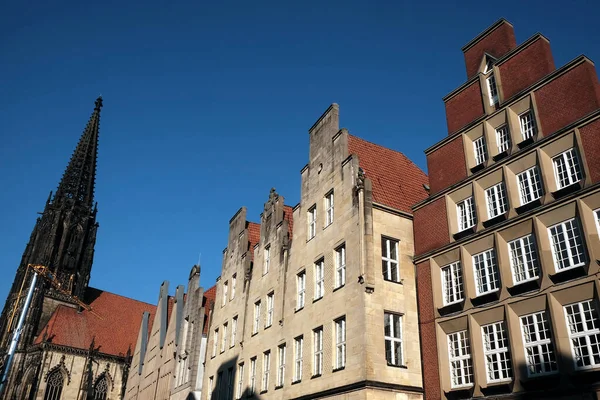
point(486, 32)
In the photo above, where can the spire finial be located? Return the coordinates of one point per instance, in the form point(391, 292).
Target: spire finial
point(98, 103)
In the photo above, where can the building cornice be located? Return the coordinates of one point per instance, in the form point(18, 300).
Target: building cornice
point(366, 384)
point(392, 210)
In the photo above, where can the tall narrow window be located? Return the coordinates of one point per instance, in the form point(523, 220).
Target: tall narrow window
point(527, 122)
point(492, 90)
point(530, 185)
point(567, 170)
point(539, 351)
point(319, 279)
point(503, 138)
point(496, 200)
point(211, 386)
point(219, 385)
point(252, 375)
point(466, 214)
point(318, 351)
point(461, 364)
point(266, 370)
point(240, 382)
point(301, 289)
point(479, 150)
point(233, 331)
point(256, 325)
point(496, 352)
point(452, 283)
point(281, 365)
point(340, 266)
point(270, 305)
point(329, 209)
point(312, 222)
point(567, 245)
point(486, 272)
point(230, 383)
point(224, 338)
point(54, 386)
point(584, 332)
point(393, 339)
point(298, 349)
point(340, 343)
point(267, 264)
point(225, 285)
point(523, 259)
point(100, 389)
point(233, 283)
point(389, 259)
point(215, 342)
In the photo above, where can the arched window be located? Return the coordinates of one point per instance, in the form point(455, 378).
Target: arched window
point(54, 385)
point(101, 389)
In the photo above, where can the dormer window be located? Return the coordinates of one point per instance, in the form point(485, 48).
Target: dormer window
point(489, 65)
point(492, 90)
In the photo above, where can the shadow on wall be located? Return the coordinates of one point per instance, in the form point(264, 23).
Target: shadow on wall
point(226, 382)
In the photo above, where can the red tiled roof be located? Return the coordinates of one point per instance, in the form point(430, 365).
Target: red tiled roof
point(289, 217)
point(253, 236)
point(115, 333)
point(397, 181)
point(209, 296)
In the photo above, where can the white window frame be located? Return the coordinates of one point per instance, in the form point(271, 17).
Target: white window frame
point(340, 343)
point(318, 351)
point(211, 387)
point(252, 376)
point(460, 359)
point(281, 350)
point(270, 307)
point(233, 284)
point(233, 331)
point(530, 185)
point(487, 276)
point(340, 266)
point(492, 90)
point(523, 256)
point(479, 150)
point(583, 327)
point(312, 222)
point(267, 259)
point(298, 350)
point(452, 283)
point(497, 355)
point(329, 209)
point(390, 246)
point(225, 287)
point(319, 279)
point(224, 338)
point(240, 383)
point(503, 138)
point(300, 290)
point(571, 233)
point(568, 165)
point(465, 211)
point(538, 345)
point(266, 370)
point(394, 338)
point(256, 325)
point(496, 201)
point(527, 124)
point(215, 342)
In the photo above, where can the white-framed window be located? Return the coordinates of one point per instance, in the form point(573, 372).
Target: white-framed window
point(256, 325)
point(340, 266)
point(340, 343)
point(329, 209)
point(496, 352)
point(530, 185)
point(298, 350)
point(503, 138)
point(597, 219)
point(465, 210)
point(523, 259)
point(266, 370)
point(301, 289)
point(225, 286)
point(528, 127)
point(267, 260)
point(318, 351)
point(211, 386)
point(312, 222)
point(584, 331)
point(240, 382)
point(394, 353)
point(270, 306)
point(486, 272)
point(452, 283)
point(319, 279)
point(537, 342)
point(461, 364)
point(496, 200)
point(281, 364)
point(492, 90)
point(233, 283)
point(567, 170)
point(233, 330)
point(252, 377)
point(224, 338)
point(215, 342)
point(389, 259)
point(479, 150)
point(567, 245)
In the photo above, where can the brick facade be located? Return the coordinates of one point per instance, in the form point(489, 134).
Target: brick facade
point(464, 107)
point(446, 165)
point(496, 42)
point(431, 226)
point(590, 140)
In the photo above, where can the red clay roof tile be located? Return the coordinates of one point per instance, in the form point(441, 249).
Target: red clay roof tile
point(209, 297)
point(289, 217)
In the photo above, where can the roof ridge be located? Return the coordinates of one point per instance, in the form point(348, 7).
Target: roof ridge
point(124, 297)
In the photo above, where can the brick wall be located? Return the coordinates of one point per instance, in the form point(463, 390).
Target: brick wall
point(447, 165)
point(497, 43)
point(431, 226)
point(464, 107)
point(526, 67)
point(568, 98)
point(431, 379)
point(590, 139)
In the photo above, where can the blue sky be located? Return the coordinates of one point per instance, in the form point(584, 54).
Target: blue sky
point(207, 106)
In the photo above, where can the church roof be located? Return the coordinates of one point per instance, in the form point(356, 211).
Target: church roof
point(115, 333)
point(397, 181)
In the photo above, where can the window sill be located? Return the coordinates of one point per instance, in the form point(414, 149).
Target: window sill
point(267, 327)
point(478, 167)
point(315, 376)
point(567, 189)
point(525, 286)
point(500, 156)
point(254, 334)
point(389, 364)
point(525, 142)
point(339, 287)
point(264, 391)
point(309, 239)
point(400, 282)
point(296, 382)
point(569, 273)
point(278, 387)
point(328, 225)
point(529, 206)
point(494, 220)
point(315, 300)
point(299, 309)
point(464, 233)
point(339, 369)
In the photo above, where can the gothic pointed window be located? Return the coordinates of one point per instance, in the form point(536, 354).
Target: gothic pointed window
point(101, 389)
point(54, 385)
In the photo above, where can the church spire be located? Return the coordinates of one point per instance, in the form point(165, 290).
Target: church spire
point(77, 183)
